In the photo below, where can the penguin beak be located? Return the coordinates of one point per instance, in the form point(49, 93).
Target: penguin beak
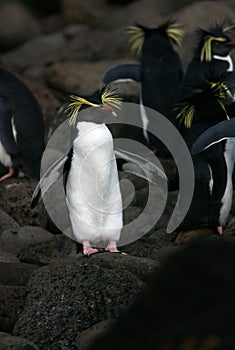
point(108, 109)
point(231, 42)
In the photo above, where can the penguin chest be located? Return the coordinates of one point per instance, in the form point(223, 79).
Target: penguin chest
point(5, 158)
point(93, 192)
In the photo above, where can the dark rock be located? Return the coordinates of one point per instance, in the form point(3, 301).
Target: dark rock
point(72, 295)
point(12, 299)
point(142, 268)
point(44, 252)
point(15, 274)
point(185, 237)
point(87, 337)
point(24, 28)
point(15, 240)
point(16, 343)
point(7, 222)
point(15, 198)
point(7, 257)
point(148, 245)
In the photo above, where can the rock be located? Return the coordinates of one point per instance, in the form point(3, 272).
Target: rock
point(78, 78)
point(15, 198)
point(185, 237)
point(87, 337)
point(42, 50)
point(15, 240)
point(11, 305)
point(7, 222)
point(162, 254)
point(15, 274)
point(142, 268)
point(7, 257)
point(25, 26)
point(72, 295)
point(148, 245)
point(16, 343)
point(230, 229)
point(42, 253)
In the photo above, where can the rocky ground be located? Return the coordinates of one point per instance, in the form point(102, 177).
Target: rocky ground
point(50, 296)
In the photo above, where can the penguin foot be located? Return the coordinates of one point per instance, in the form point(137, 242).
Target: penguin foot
point(112, 248)
point(8, 175)
point(219, 230)
point(88, 250)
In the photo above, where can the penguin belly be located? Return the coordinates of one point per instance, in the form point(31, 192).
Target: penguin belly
point(92, 191)
point(229, 155)
point(5, 159)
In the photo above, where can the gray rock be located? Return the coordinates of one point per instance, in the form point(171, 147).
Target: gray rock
point(7, 257)
point(13, 241)
point(7, 222)
point(12, 299)
point(16, 343)
point(24, 28)
point(72, 295)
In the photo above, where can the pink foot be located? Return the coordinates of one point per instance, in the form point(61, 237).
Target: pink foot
point(219, 230)
point(88, 250)
point(114, 250)
point(8, 175)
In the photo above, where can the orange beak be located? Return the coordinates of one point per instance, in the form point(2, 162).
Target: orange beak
point(231, 42)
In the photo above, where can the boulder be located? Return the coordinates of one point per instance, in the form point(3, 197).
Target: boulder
point(87, 337)
point(15, 274)
point(7, 222)
point(16, 343)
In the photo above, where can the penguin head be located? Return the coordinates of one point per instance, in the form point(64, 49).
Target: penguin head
point(215, 41)
point(100, 102)
point(143, 38)
point(211, 95)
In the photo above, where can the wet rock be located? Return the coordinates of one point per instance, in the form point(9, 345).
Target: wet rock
point(15, 274)
point(16, 343)
point(24, 28)
point(87, 337)
point(12, 299)
point(15, 240)
point(72, 295)
point(7, 222)
point(15, 198)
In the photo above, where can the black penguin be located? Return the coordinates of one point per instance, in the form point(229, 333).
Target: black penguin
point(159, 72)
point(212, 52)
point(21, 127)
point(213, 183)
point(215, 134)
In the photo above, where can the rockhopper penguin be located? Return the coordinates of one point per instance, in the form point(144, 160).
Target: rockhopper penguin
point(21, 128)
point(159, 72)
point(213, 183)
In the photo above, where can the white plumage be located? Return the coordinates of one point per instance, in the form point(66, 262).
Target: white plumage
point(93, 193)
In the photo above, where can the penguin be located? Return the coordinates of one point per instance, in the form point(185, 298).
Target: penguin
point(90, 175)
point(212, 52)
point(159, 72)
point(206, 107)
point(215, 134)
point(21, 128)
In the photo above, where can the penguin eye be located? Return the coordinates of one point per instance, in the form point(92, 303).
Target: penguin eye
point(217, 43)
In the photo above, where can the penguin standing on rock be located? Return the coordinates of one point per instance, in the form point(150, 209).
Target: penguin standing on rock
point(159, 73)
point(90, 174)
point(21, 128)
point(206, 107)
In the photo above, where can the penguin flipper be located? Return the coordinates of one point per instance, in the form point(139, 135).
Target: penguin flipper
point(122, 72)
point(215, 134)
point(141, 167)
point(53, 173)
point(6, 128)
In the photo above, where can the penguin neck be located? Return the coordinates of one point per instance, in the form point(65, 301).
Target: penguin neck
point(227, 59)
point(85, 126)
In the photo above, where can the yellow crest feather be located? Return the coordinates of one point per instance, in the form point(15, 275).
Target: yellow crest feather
point(186, 114)
point(175, 32)
point(137, 38)
point(74, 107)
point(206, 49)
point(228, 28)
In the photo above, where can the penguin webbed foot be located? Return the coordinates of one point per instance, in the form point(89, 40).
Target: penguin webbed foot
point(88, 250)
point(112, 248)
point(219, 230)
point(10, 174)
